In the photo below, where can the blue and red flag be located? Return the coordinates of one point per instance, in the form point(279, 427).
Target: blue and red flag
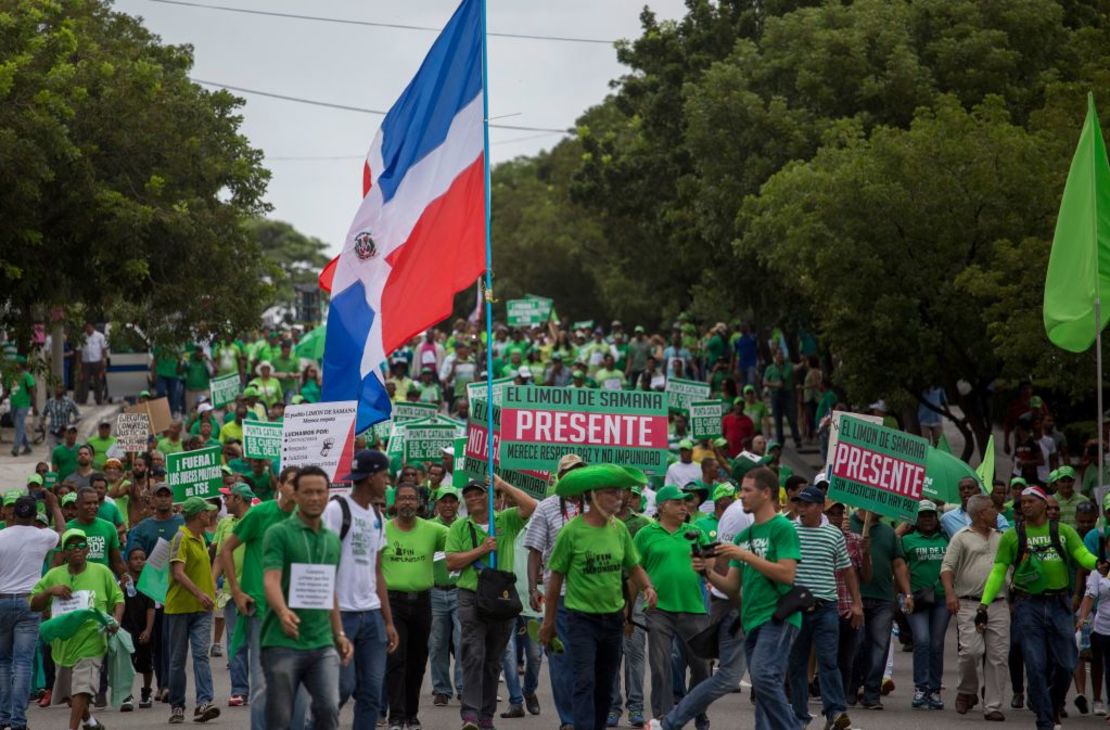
point(419, 235)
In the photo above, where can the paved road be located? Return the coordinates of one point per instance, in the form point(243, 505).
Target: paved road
point(732, 711)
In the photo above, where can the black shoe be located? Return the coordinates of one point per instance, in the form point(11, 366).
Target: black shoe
point(206, 712)
point(1018, 700)
point(871, 705)
point(532, 704)
point(1081, 704)
point(100, 701)
point(144, 698)
point(441, 700)
point(513, 711)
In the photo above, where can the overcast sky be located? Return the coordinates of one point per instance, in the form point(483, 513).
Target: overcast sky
point(541, 83)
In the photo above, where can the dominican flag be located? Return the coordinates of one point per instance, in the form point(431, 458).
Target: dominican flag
point(419, 234)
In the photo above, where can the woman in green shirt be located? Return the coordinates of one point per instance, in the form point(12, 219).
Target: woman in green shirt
point(592, 555)
point(268, 387)
point(924, 549)
point(310, 384)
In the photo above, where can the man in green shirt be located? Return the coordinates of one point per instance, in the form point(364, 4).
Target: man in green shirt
point(664, 547)
point(100, 535)
point(287, 367)
point(79, 658)
point(63, 458)
point(608, 376)
point(237, 499)
point(303, 642)
point(468, 547)
point(101, 442)
point(762, 562)
point(445, 609)
point(171, 443)
point(20, 390)
point(755, 408)
point(198, 376)
point(1066, 496)
point(1041, 554)
point(779, 377)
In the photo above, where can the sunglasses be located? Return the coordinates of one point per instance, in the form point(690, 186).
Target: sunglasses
point(76, 545)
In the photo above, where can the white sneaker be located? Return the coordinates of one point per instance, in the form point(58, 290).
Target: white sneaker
point(1098, 708)
point(654, 724)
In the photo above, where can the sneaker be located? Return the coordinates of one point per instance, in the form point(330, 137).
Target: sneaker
point(470, 725)
point(514, 711)
point(635, 719)
point(94, 725)
point(144, 698)
point(217, 650)
point(934, 701)
point(413, 725)
point(47, 696)
point(177, 715)
point(236, 701)
point(919, 699)
point(440, 700)
point(841, 722)
point(654, 724)
point(887, 686)
point(1017, 701)
point(396, 726)
point(128, 704)
point(532, 704)
point(871, 705)
point(164, 694)
point(206, 712)
point(101, 700)
point(613, 719)
point(1099, 708)
point(1081, 704)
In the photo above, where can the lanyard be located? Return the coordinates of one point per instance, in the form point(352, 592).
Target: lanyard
point(308, 550)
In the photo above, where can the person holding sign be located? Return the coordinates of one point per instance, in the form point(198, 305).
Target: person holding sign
point(592, 554)
point(303, 642)
point(190, 598)
point(78, 585)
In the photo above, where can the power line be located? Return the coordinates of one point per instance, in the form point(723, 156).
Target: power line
point(396, 26)
point(344, 107)
point(332, 158)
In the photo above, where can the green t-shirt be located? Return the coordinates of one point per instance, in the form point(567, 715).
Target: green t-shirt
point(197, 376)
point(310, 391)
point(593, 561)
point(166, 362)
point(408, 559)
point(1043, 568)
point(225, 527)
point(110, 513)
point(508, 523)
point(100, 450)
point(610, 379)
point(21, 388)
point(442, 577)
point(65, 460)
point(89, 641)
point(226, 357)
point(885, 548)
point(756, 411)
point(289, 542)
point(783, 373)
point(636, 522)
point(825, 404)
point(192, 551)
point(286, 364)
point(102, 539)
point(250, 531)
point(774, 540)
point(269, 390)
point(666, 558)
point(924, 555)
point(708, 525)
point(261, 484)
point(168, 447)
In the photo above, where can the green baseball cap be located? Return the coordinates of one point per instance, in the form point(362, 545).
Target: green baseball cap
point(669, 493)
point(697, 485)
point(1053, 476)
point(1018, 481)
point(720, 442)
point(749, 388)
point(72, 533)
point(144, 393)
point(250, 392)
point(448, 491)
point(70, 498)
point(1065, 472)
point(12, 495)
point(240, 490)
point(685, 444)
point(926, 505)
point(723, 490)
point(772, 445)
point(738, 400)
point(193, 506)
point(637, 490)
point(35, 478)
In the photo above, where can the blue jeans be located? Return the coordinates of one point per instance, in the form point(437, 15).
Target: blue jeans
point(533, 654)
point(169, 388)
point(185, 631)
point(560, 668)
point(632, 650)
point(782, 404)
point(287, 671)
point(929, 624)
point(878, 615)
point(768, 649)
point(238, 665)
point(445, 625)
point(258, 681)
point(731, 665)
point(19, 420)
point(1047, 632)
point(364, 675)
point(595, 655)
point(821, 631)
point(19, 632)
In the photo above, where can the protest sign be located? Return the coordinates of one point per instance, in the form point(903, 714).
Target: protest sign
point(458, 476)
point(472, 462)
point(157, 410)
point(320, 434)
point(705, 418)
point(425, 442)
point(262, 440)
point(224, 389)
point(195, 473)
point(132, 431)
point(49, 479)
point(477, 391)
point(681, 393)
point(834, 432)
point(585, 324)
point(529, 311)
point(379, 432)
point(541, 425)
point(878, 468)
point(405, 412)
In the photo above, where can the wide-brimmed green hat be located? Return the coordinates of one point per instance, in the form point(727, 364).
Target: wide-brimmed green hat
point(637, 474)
point(594, 476)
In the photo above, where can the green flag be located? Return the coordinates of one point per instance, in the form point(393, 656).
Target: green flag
point(1079, 265)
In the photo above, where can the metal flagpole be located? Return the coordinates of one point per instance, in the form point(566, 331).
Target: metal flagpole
point(489, 284)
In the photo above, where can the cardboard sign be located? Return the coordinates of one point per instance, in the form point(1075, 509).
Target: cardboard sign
point(406, 412)
point(132, 431)
point(77, 601)
point(528, 312)
point(262, 440)
point(195, 473)
point(425, 442)
point(320, 434)
point(157, 410)
point(705, 418)
point(311, 586)
point(224, 389)
point(877, 468)
point(541, 425)
point(472, 459)
point(477, 391)
point(681, 393)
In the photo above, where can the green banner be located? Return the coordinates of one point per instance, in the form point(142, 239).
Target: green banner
point(585, 324)
point(262, 440)
point(877, 468)
point(529, 312)
point(224, 389)
point(49, 479)
point(705, 418)
point(425, 442)
point(540, 425)
point(472, 460)
point(477, 391)
point(681, 393)
point(195, 473)
point(406, 412)
point(380, 432)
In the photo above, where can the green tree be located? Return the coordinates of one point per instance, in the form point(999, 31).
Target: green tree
point(293, 258)
point(124, 187)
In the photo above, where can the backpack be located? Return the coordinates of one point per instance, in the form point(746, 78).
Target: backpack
point(345, 508)
point(1054, 537)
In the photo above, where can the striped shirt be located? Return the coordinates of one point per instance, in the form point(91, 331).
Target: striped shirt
point(543, 527)
point(823, 554)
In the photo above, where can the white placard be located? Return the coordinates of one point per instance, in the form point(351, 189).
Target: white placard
point(160, 555)
point(319, 434)
point(311, 586)
point(77, 601)
point(132, 431)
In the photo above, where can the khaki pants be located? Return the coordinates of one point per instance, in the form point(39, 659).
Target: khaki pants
point(993, 643)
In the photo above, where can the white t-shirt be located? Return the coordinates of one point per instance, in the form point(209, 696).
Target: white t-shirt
point(94, 347)
point(24, 548)
point(680, 474)
point(734, 521)
point(1048, 448)
point(1098, 587)
point(356, 580)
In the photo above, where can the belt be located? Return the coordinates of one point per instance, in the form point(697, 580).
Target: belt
point(445, 588)
point(979, 599)
point(1054, 593)
point(407, 595)
point(13, 596)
